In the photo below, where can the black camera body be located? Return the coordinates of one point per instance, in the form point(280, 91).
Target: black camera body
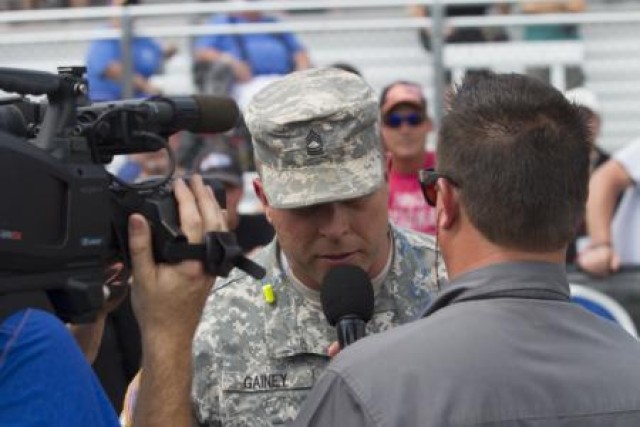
point(64, 217)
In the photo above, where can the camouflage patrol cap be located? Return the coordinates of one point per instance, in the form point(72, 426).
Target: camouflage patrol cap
point(316, 138)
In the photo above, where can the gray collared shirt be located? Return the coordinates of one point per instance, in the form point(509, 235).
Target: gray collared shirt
point(485, 355)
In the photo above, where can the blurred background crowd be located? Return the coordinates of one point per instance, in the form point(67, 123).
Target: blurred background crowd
point(410, 52)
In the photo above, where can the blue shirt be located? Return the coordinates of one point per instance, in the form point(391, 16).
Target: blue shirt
point(45, 379)
point(147, 59)
point(264, 52)
point(550, 32)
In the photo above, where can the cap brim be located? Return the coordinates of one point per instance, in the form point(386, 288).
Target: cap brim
point(324, 183)
point(411, 103)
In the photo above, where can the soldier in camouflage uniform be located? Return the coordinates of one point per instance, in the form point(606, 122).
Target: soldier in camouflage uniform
point(322, 182)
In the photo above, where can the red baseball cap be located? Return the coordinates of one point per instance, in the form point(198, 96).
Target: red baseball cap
point(402, 93)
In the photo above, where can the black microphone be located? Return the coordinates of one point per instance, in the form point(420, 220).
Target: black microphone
point(198, 113)
point(347, 302)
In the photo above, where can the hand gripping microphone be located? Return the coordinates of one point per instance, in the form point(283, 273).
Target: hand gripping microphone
point(347, 302)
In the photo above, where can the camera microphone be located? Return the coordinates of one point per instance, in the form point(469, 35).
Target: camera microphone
point(167, 115)
point(126, 127)
point(347, 301)
point(198, 113)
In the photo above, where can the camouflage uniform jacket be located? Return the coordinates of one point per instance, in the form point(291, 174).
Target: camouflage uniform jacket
point(255, 362)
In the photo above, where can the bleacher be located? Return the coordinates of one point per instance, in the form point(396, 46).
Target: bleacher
point(384, 52)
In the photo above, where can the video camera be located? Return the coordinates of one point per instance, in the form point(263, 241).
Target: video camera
point(64, 217)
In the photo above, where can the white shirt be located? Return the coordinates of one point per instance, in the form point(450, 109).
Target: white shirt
point(625, 228)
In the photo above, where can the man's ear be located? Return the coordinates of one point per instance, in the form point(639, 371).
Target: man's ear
point(259, 190)
point(449, 204)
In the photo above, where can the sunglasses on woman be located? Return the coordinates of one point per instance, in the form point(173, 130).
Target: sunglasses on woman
point(395, 120)
point(428, 183)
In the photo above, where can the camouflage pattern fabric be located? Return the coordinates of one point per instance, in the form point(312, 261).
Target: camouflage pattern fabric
point(316, 138)
point(255, 362)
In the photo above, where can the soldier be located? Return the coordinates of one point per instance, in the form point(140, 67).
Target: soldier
point(322, 182)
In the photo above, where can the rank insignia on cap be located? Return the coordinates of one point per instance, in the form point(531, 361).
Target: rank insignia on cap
point(314, 144)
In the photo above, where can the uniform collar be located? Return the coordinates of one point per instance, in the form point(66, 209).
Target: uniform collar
point(294, 326)
point(524, 278)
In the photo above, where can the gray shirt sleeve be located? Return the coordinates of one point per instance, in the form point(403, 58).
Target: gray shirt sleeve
point(333, 402)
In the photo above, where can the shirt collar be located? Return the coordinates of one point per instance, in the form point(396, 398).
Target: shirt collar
point(313, 296)
point(526, 277)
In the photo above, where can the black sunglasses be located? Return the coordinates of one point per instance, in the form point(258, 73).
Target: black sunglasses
point(428, 179)
point(395, 120)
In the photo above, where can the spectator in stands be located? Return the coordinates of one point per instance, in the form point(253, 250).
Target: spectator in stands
point(463, 35)
point(252, 230)
point(575, 76)
point(405, 126)
point(588, 103)
point(614, 234)
point(502, 345)
point(105, 69)
point(241, 57)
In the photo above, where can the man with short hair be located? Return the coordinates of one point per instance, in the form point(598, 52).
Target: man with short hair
point(405, 126)
point(502, 345)
point(322, 183)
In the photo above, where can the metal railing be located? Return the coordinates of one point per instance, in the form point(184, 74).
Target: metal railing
point(151, 20)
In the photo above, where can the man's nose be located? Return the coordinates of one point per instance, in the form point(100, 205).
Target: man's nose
point(334, 220)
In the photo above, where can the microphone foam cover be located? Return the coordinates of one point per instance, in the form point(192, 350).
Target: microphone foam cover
point(346, 290)
point(217, 114)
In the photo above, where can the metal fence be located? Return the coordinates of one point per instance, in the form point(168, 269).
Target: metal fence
point(379, 37)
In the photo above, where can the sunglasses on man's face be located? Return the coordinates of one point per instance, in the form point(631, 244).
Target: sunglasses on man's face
point(395, 120)
point(428, 183)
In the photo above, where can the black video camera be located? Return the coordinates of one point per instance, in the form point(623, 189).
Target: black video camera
point(63, 218)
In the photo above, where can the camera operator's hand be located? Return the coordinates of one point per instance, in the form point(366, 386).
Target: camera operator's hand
point(167, 300)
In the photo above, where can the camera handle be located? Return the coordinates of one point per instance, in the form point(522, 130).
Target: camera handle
point(219, 254)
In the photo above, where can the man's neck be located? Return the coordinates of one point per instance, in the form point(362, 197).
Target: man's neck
point(407, 166)
point(476, 252)
point(377, 271)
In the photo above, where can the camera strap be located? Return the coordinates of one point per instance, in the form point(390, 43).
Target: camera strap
point(15, 301)
point(219, 253)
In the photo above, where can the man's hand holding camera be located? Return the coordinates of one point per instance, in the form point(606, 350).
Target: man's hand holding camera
point(167, 300)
